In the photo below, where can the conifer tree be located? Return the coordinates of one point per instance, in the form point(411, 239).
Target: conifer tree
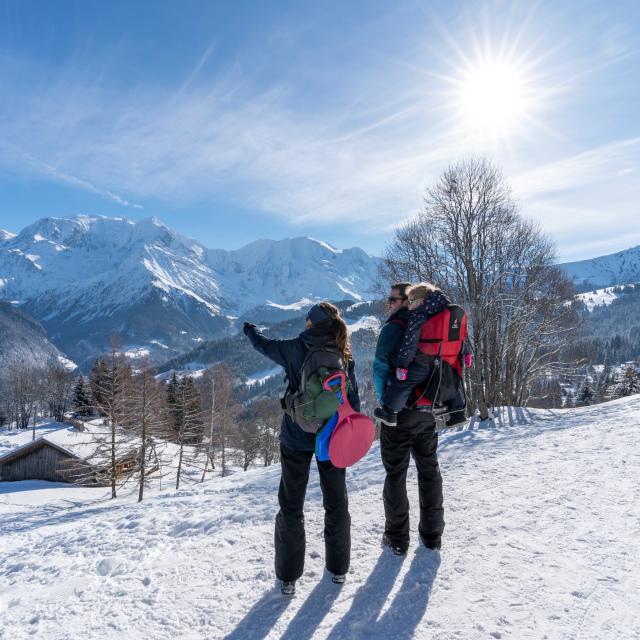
point(628, 384)
point(173, 410)
point(585, 396)
point(98, 382)
point(112, 392)
point(81, 399)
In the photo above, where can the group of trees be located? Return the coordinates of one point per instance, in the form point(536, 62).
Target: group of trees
point(185, 427)
point(194, 426)
point(604, 385)
point(27, 391)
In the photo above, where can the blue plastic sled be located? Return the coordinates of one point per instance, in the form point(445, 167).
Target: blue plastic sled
point(324, 435)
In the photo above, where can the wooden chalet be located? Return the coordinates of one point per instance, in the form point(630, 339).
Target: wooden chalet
point(46, 459)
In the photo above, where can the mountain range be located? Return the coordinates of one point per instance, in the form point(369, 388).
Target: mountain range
point(618, 268)
point(88, 277)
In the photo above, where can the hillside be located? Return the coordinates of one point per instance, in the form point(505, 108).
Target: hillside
point(542, 517)
point(622, 267)
point(23, 340)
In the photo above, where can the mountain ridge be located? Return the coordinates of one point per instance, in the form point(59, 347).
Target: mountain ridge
point(619, 268)
point(85, 277)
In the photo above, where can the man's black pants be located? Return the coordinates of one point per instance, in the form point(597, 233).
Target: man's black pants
point(415, 435)
point(289, 534)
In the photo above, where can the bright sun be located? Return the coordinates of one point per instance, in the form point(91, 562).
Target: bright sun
point(492, 98)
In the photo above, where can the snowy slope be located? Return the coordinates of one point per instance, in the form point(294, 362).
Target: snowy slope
point(603, 297)
point(89, 276)
point(24, 341)
point(541, 542)
point(598, 298)
point(617, 268)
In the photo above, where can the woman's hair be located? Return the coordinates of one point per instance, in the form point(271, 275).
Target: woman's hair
point(339, 330)
point(422, 290)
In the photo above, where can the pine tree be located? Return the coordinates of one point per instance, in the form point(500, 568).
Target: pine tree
point(173, 410)
point(81, 399)
point(98, 381)
point(628, 384)
point(585, 396)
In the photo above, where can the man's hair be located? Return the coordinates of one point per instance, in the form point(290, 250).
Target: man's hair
point(402, 287)
point(422, 290)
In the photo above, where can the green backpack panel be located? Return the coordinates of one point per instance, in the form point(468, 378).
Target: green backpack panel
point(312, 405)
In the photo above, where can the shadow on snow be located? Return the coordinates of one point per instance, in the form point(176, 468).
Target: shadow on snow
point(363, 617)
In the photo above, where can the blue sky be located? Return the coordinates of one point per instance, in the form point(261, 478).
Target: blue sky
point(232, 121)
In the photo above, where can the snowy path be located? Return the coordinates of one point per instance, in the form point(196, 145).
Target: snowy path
point(542, 541)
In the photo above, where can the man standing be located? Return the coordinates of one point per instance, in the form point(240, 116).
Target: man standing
point(415, 435)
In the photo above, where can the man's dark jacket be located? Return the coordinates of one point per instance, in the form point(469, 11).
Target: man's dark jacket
point(389, 340)
point(290, 354)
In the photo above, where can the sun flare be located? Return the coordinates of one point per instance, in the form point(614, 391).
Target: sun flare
point(493, 98)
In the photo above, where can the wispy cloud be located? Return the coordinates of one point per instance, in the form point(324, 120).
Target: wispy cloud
point(587, 200)
point(44, 169)
point(200, 142)
point(363, 157)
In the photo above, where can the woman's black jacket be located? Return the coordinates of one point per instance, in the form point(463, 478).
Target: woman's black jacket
point(290, 355)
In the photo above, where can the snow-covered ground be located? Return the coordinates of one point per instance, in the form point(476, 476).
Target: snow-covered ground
point(366, 322)
point(599, 297)
point(602, 297)
point(542, 511)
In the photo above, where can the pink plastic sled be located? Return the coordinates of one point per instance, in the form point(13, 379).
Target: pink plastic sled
point(354, 432)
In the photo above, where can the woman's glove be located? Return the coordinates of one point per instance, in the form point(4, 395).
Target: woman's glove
point(401, 374)
point(468, 360)
point(246, 326)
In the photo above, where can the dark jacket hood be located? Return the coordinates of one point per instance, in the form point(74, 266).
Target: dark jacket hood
point(317, 337)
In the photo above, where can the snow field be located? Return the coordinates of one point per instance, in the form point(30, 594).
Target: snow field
point(542, 511)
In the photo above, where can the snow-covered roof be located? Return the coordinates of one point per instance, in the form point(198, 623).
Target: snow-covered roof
point(67, 439)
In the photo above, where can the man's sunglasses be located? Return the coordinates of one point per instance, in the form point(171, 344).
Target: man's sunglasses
point(394, 299)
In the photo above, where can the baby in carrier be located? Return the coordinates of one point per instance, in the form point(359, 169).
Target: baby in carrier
point(413, 367)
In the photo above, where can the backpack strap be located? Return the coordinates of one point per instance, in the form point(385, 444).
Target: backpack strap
point(399, 321)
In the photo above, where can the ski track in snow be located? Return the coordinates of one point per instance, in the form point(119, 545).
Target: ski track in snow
point(541, 541)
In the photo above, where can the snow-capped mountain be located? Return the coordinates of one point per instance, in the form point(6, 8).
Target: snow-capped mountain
point(6, 235)
point(87, 277)
point(24, 341)
point(618, 268)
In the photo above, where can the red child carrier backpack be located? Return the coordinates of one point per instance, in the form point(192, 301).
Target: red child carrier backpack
point(442, 342)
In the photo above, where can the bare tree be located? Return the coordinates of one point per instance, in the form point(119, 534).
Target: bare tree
point(225, 410)
point(471, 241)
point(247, 438)
point(189, 425)
point(58, 383)
point(23, 387)
point(111, 389)
point(268, 416)
point(210, 383)
point(147, 421)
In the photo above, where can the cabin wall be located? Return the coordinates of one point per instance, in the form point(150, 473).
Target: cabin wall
point(43, 463)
